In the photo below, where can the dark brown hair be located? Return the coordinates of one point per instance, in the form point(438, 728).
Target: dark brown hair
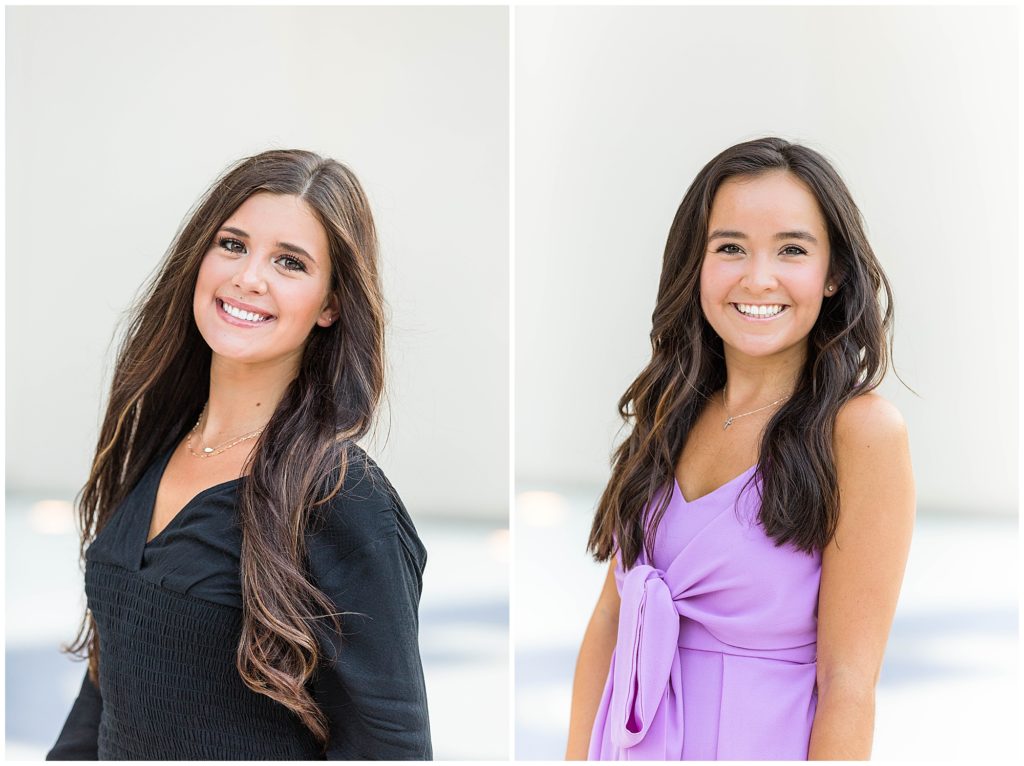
point(847, 354)
point(161, 382)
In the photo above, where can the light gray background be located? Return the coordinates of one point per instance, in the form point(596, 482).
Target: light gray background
point(617, 109)
point(118, 118)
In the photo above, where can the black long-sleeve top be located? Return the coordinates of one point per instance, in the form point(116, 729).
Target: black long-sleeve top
point(168, 615)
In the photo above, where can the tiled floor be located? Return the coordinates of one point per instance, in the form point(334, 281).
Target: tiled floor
point(948, 688)
point(463, 633)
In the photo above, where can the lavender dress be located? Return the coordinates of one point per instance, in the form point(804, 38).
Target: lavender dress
point(716, 650)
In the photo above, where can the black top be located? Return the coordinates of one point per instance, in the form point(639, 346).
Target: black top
point(169, 616)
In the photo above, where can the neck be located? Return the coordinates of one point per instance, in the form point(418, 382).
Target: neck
point(756, 381)
point(243, 396)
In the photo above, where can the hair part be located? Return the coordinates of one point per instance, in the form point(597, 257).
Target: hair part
point(161, 382)
point(848, 353)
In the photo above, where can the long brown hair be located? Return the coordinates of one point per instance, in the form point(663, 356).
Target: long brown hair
point(161, 382)
point(847, 354)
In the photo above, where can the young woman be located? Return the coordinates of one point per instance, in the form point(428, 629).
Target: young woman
point(759, 514)
point(253, 579)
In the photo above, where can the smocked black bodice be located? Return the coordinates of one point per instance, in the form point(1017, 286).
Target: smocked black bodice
point(169, 683)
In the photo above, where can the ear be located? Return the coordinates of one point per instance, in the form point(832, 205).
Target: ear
point(330, 312)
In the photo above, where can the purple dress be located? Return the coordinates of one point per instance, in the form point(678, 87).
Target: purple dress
point(717, 642)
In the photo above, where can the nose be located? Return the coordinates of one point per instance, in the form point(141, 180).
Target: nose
point(759, 276)
point(249, 276)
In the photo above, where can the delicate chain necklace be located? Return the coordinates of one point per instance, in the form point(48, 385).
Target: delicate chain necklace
point(730, 418)
point(211, 451)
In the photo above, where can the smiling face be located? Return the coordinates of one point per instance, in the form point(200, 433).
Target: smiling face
point(765, 270)
point(264, 282)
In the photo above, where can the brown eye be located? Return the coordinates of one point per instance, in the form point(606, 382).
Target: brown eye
point(230, 244)
point(292, 264)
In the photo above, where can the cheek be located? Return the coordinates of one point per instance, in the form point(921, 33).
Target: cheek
point(713, 283)
point(811, 288)
point(710, 293)
point(207, 277)
point(304, 301)
point(201, 291)
point(705, 279)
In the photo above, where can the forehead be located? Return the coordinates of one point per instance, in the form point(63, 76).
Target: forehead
point(775, 201)
point(272, 218)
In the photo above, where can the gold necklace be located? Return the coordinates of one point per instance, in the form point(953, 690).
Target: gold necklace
point(729, 418)
point(212, 451)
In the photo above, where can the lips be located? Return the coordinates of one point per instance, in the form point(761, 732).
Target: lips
point(760, 311)
point(242, 314)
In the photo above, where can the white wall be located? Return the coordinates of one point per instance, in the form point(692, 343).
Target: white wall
point(617, 110)
point(119, 117)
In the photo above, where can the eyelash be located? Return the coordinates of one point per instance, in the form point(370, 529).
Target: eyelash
point(226, 241)
point(800, 250)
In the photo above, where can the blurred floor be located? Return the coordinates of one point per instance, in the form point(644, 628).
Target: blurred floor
point(948, 688)
point(463, 632)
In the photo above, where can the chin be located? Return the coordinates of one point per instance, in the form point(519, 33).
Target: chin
point(233, 354)
point(770, 347)
point(229, 348)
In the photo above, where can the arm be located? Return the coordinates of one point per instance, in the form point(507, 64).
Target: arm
point(861, 574)
point(78, 738)
point(592, 668)
point(372, 688)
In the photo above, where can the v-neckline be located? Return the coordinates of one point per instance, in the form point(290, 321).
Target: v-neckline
point(154, 491)
point(716, 490)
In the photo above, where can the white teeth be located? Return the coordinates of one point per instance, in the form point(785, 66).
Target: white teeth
point(239, 314)
point(759, 311)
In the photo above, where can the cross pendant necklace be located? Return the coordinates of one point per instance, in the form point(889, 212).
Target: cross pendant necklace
point(729, 418)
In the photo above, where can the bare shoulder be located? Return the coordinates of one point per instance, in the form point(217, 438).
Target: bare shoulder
point(869, 414)
point(869, 422)
point(872, 453)
point(863, 564)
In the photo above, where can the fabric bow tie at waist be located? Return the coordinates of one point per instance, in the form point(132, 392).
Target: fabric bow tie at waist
point(647, 653)
point(647, 646)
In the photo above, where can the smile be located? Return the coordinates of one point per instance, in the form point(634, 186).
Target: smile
point(240, 316)
point(762, 311)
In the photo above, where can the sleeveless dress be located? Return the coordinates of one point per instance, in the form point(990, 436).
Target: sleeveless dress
point(717, 639)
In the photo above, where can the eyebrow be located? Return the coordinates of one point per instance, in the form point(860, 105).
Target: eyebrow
point(728, 233)
point(283, 245)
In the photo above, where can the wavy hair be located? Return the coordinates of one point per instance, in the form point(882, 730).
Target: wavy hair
point(848, 353)
point(161, 382)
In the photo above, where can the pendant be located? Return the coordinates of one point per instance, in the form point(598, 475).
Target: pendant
point(728, 422)
point(207, 449)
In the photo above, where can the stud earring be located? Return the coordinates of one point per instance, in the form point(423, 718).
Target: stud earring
point(830, 287)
